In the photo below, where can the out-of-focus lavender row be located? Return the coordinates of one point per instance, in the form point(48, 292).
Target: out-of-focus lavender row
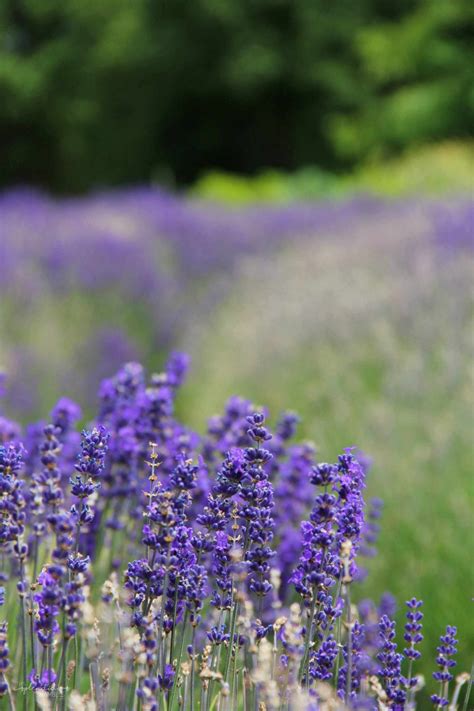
point(117, 226)
point(119, 275)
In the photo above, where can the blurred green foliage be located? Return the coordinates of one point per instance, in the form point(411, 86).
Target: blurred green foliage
point(267, 186)
point(438, 169)
point(97, 92)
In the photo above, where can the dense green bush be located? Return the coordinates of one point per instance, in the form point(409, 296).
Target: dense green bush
point(105, 92)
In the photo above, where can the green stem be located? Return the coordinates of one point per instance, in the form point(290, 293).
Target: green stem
point(349, 645)
point(468, 690)
point(175, 606)
point(24, 649)
point(307, 641)
point(63, 665)
point(11, 701)
point(32, 642)
point(231, 640)
point(178, 661)
point(76, 661)
point(235, 611)
point(192, 670)
point(35, 559)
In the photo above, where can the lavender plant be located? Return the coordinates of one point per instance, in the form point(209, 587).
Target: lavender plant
point(146, 567)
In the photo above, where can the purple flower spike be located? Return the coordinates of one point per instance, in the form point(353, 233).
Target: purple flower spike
point(45, 680)
point(65, 414)
point(446, 651)
point(94, 448)
point(4, 658)
point(390, 662)
point(166, 680)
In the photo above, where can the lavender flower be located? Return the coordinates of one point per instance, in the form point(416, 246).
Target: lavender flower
point(257, 510)
point(44, 680)
point(390, 663)
point(91, 461)
point(12, 500)
point(90, 465)
point(447, 650)
point(321, 661)
point(413, 637)
point(166, 679)
point(4, 659)
point(360, 664)
point(64, 415)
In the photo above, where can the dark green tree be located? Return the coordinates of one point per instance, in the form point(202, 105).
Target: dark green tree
point(104, 92)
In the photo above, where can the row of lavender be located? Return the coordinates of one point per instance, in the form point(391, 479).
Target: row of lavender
point(145, 567)
point(118, 275)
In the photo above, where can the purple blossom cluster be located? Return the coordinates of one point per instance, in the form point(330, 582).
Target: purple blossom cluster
point(454, 227)
point(152, 568)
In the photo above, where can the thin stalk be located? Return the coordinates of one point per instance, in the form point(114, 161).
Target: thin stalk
point(192, 671)
point(327, 631)
point(235, 612)
point(78, 530)
point(410, 691)
point(35, 559)
point(175, 605)
point(338, 638)
point(216, 698)
point(231, 640)
point(43, 659)
point(183, 637)
point(186, 689)
point(214, 663)
point(274, 655)
point(132, 697)
point(349, 645)
point(63, 676)
point(50, 663)
point(81, 661)
point(307, 642)
point(256, 695)
point(161, 654)
point(102, 530)
point(468, 690)
point(457, 690)
point(180, 655)
point(440, 694)
point(94, 685)
point(235, 685)
point(62, 657)
point(135, 697)
point(410, 673)
point(23, 634)
point(11, 700)
point(76, 661)
point(122, 693)
point(32, 642)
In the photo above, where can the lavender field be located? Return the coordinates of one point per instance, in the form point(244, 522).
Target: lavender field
point(125, 275)
point(225, 565)
point(122, 275)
